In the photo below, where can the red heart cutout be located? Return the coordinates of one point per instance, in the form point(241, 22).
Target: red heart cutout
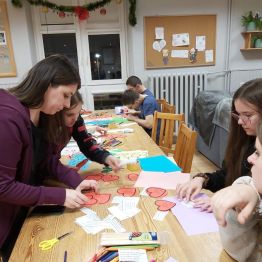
point(102, 198)
point(156, 192)
point(109, 178)
point(163, 205)
point(91, 201)
point(90, 194)
point(127, 192)
point(132, 176)
point(94, 177)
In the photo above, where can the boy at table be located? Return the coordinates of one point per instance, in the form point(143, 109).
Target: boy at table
point(147, 105)
point(134, 83)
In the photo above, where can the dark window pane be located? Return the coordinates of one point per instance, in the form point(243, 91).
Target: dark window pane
point(105, 56)
point(61, 44)
point(107, 101)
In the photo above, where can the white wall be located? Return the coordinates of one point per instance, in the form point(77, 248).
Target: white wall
point(22, 41)
point(191, 7)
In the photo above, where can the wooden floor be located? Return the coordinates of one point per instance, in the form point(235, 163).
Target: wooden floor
point(202, 165)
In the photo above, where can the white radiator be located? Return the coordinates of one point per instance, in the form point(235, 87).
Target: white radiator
point(178, 89)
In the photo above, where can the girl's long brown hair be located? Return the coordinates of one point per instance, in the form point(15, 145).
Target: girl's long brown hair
point(57, 125)
point(238, 141)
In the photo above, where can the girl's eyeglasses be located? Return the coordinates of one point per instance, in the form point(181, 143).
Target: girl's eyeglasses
point(245, 119)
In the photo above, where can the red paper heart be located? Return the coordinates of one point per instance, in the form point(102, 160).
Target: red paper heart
point(156, 192)
point(109, 178)
point(163, 205)
point(90, 202)
point(127, 192)
point(94, 177)
point(132, 176)
point(102, 198)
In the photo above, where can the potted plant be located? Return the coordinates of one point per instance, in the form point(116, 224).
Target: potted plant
point(257, 41)
point(251, 22)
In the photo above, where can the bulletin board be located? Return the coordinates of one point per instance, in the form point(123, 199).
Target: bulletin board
point(159, 55)
point(7, 62)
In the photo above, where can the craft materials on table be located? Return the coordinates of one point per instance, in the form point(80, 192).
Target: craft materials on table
point(129, 238)
point(126, 208)
point(48, 244)
point(91, 223)
point(161, 180)
point(193, 220)
point(158, 164)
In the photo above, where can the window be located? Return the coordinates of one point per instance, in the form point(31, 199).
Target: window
point(61, 44)
point(105, 56)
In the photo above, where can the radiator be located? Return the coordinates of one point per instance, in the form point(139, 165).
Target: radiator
point(178, 89)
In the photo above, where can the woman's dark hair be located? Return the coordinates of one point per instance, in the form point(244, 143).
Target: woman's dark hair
point(56, 124)
point(239, 142)
point(52, 71)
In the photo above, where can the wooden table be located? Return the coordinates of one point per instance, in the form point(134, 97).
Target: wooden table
point(81, 246)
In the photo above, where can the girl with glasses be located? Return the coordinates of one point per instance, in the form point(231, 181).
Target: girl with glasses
point(238, 210)
point(247, 109)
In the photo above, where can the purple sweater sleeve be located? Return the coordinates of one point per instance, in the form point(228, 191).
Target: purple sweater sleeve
point(12, 190)
point(61, 172)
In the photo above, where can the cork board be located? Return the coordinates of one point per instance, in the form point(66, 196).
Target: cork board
point(7, 62)
point(191, 25)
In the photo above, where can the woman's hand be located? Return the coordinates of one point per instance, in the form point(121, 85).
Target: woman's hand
point(204, 203)
point(191, 189)
point(87, 185)
point(113, 162)
point(240, 196)
point(101, 130)
point(74, 199)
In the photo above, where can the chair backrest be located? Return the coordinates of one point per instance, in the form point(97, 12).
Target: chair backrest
point(165, 107)
point(167, 127)
point(161, 103)
point(185, 147)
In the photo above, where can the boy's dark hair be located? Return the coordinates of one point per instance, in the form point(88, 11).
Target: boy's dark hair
point(129, 97)
point(133, 81)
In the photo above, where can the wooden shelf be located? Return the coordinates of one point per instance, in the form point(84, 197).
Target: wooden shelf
point(248, 40)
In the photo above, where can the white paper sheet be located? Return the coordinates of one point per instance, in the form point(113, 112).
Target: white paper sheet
point(160, 215)
point(132, 255)
point(159, 33)
point(179, 53)
point(209, 56)
point(180, 39)
point(201, 43)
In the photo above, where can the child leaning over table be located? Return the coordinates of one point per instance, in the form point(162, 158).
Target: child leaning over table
point(238, 210)
point(72, 124)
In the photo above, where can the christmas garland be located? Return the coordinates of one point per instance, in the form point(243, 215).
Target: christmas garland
point(81, 11)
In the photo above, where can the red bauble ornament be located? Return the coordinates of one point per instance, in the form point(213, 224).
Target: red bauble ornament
point(82, 13)
point(102, 11)
point(61, 14)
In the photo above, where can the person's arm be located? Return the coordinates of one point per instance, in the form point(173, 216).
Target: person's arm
point(12, 144)
point(87, 144)
point(146, 123)
point(215, 180)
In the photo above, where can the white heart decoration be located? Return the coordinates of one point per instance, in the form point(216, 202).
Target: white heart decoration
point(162, 43)
point(156, 46)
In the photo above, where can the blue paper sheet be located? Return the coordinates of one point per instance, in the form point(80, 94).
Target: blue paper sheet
point(76, 159)
point(158, 164)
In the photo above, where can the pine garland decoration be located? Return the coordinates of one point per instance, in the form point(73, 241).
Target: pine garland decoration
point(72, 9)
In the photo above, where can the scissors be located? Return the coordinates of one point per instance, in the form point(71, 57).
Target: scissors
point(48, 244)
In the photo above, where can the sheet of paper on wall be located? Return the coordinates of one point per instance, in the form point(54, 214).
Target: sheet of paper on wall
point(159, 33)
point(180, 39)
point(201, 43)
point(179, 53)
point(209, 56)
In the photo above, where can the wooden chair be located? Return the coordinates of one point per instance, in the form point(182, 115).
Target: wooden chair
point(185, 147)
point(165, 107)
point(167, 127)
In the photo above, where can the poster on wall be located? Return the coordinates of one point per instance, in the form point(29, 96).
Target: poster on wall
point(7, 62)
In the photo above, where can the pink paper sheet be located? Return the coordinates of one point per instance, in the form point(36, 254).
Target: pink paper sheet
point(193, 221)
point(160, 179)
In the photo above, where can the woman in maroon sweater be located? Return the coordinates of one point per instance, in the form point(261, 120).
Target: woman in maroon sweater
point(25, 157)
